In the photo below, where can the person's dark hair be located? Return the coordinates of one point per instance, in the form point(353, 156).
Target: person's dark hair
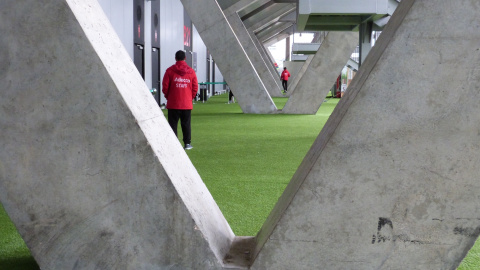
point(180, 55)
point(284, 67)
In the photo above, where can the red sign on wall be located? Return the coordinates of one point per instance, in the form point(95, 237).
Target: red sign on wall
point(187, 36)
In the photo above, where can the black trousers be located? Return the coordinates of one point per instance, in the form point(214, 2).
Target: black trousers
point(184, 116)
point(284, 84)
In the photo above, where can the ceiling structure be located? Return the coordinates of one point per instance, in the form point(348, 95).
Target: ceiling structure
point(276, 19)
point(343, 15)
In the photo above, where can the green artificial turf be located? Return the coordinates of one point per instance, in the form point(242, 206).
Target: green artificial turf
point(14, 254)
point(472, 260)
point(245, 160)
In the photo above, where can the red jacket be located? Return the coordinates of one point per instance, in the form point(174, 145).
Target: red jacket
point(180, 86)
point(285, 75)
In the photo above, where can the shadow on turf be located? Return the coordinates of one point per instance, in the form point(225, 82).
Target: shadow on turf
point(23, 263)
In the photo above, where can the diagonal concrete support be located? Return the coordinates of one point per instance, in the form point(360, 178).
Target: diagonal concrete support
point(327, 63)
point(94, 179)
point(230, 56)
point(253, 53)
point(392, 180)
point(293, 84)
point(261, 49)
point(90, 172)
point(318, 38)
point(267, 57)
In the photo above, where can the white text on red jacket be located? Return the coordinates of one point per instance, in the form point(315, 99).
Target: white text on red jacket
point(181, 82)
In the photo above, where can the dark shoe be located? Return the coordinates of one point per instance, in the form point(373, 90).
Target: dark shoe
point(188, 146)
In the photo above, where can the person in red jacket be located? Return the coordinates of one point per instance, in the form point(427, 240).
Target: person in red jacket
point(180, 86)
point(284, 77)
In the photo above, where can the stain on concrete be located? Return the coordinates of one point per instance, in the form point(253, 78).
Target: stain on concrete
point(467, 231)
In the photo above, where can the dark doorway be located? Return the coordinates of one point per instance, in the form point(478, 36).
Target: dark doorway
point(139, 36)
point(213, 71)
point(209, 72)
point(155, 33)
point(156, 73)
point(139, 59)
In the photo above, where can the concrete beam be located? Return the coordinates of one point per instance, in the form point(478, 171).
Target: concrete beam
point(305, 48)
point(365, 40)
point(294, 68)
point(299, 57)
point(277, 38)
point(292, 85)
point(352, 64)
point(267, 57)
point(91, 173)
point(280, 10)
point(336, 20)
point(253, 53)
point(254, 50)
point(254, 7)
point(226, 4)
point(325, 7)
point(230, 56)
point(392, 181)
point(298, 47)
point(273, 30)
point(324, 68)
point(238, 5)
point(341, 15)
point(289, 17)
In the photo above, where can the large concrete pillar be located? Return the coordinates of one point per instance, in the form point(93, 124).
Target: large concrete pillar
point(293, 84)
point(312, 88)
point(90, 171)
point(392, 180)
point(287, 49)
point(294, 67)
point(267, 57)
point(230, 56)
point(93, 177)
point(252, 52)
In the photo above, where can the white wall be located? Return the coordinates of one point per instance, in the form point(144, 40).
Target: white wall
point(218, 78)
point(120, 14)
point(148, 44)
point(201, 50)
point(171, 32)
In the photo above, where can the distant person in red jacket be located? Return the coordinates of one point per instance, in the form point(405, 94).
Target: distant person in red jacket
point(180, 86)
point(284, 77)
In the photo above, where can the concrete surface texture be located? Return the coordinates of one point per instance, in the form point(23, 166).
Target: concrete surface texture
point(252, 53)
point(93, 177)
point(293, 84)
point(90, 171)
point(230, 56)
point(266, 56)
point(313, 86)
point(392, 180)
